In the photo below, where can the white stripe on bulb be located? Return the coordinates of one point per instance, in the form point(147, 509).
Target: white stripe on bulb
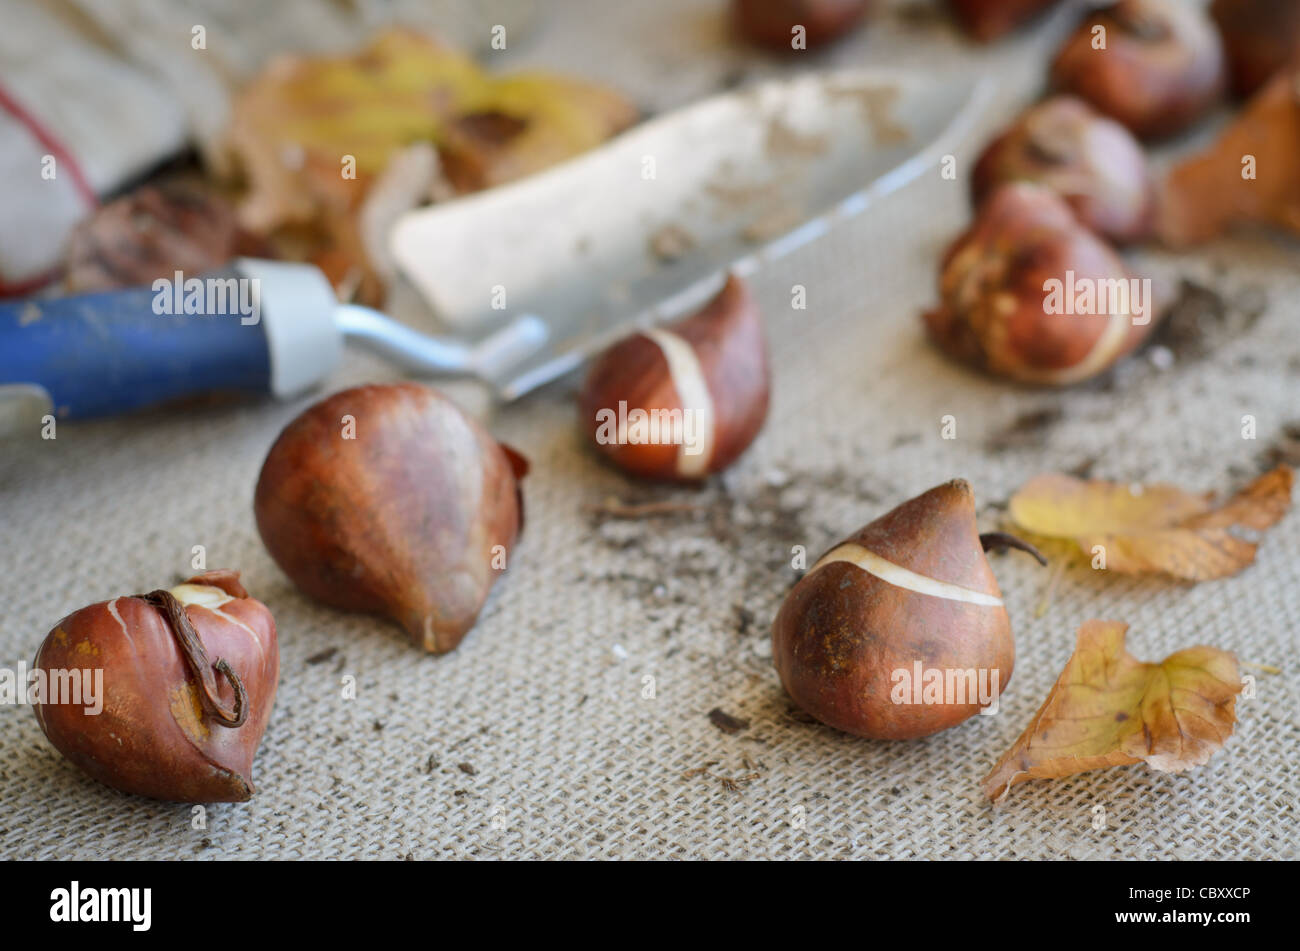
point(901, 577)
point(688, 379)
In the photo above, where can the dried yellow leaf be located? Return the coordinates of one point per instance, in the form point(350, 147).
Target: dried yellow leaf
point(1155, 528)
point(292, 127)
point(1109, 709)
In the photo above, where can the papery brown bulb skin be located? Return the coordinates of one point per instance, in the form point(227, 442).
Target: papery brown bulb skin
point(153, 736)
point(1260, 37)
point(771, 23)
point(150, 232)
point(844, 631)
point(989, 19)
point(1091, 161)
point(399, 515)
point(996, 311)
point(729, 366)
point(1161, 70)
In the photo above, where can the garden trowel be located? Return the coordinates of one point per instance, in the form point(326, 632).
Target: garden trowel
point(516, 285)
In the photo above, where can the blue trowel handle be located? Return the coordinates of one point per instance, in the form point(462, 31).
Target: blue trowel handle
point(116, 351)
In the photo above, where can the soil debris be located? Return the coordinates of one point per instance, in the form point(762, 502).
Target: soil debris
point(613, 508)
point(726, 722)
point(1201, 319)
point(321, 657)
point(784, 140)
point(1284, 450)
point(1029, 430)
point(671, 242)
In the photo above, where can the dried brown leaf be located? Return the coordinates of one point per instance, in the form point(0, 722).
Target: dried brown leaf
point(1251, 174)
point(1109, 709)
point(1155, 528)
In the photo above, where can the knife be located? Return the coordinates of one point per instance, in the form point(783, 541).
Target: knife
point(637, 231)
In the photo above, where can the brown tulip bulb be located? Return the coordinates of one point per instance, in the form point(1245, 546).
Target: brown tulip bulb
point(989, 19)
point(389, 500)
point(1093, 162)
point(1260, 37)
point(1030, 294)
point(772, 23)
point(901, 605)
point(682, 401)
point(187, 681)
point(1155, 66)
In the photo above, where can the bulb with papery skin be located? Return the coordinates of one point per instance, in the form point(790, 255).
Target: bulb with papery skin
point(1155, 66)
point(188, 682)
point(684, 400)
point(860, 636)
point(773, 23)
point(989, 19)
point(389, 500)
point(1030, 294)
point(1093, 162)
point(1260, 37)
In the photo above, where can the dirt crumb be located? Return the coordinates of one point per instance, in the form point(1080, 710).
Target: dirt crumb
point(726, 722)
point(671, 242)
point(1284, 450)
point(1201, 318)
point(1029, 430)
point(321, 656)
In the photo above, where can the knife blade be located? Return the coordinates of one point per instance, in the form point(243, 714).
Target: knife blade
point(635, 232)
point(645, 228)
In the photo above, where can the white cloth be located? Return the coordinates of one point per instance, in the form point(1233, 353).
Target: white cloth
point(120, 86)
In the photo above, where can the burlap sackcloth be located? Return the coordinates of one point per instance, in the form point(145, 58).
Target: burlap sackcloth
point(574, 721)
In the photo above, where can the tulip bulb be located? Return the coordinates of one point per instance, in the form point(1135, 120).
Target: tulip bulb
point(389, 500)
point(987, 20)
point(773, 23)
point(1093, 162)
point(682, 401)
point(1155, 66)
point(188, 681)
point(861, 633)
point(1030, 294)
point(1260, 37)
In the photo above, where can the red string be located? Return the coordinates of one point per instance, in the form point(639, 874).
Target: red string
point(63, 157)
point(52, 145)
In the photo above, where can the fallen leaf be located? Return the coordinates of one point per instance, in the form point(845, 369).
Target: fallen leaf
point(1110, 709)
point(330, 145)
point(526, 122)
point(1251, 174)
point(1155, 528)
point(311, 134)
